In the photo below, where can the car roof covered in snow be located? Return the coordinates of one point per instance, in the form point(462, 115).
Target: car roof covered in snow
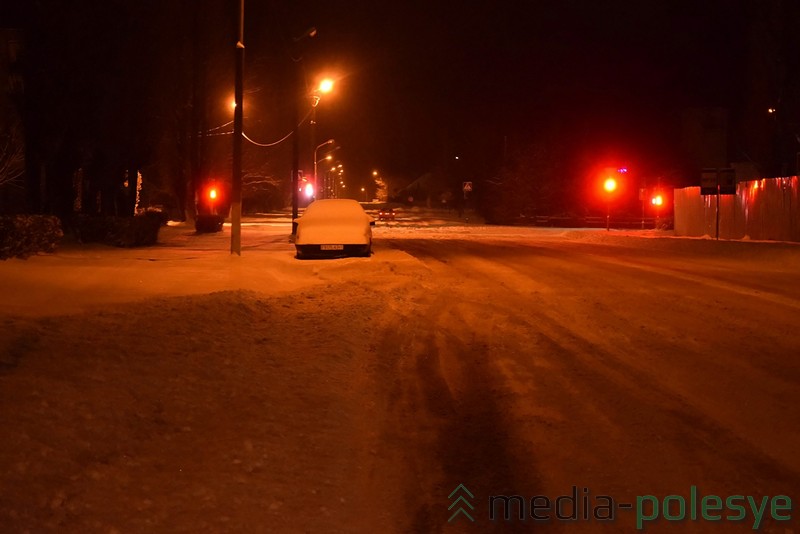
point(335, 208)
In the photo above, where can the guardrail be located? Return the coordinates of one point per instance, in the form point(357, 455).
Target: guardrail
point(628, 223)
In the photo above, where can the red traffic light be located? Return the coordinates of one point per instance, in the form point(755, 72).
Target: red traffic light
point(657, 200)
point(610, 184)
point(212, 194)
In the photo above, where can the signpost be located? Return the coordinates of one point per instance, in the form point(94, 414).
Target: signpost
point(718, 182)
point(709, 182)
point(467, 188)
point(727, 181)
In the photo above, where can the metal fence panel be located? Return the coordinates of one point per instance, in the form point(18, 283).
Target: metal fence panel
point(766, 209)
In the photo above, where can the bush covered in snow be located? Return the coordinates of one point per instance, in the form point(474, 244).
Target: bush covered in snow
point(138, 231)
point(24, 235)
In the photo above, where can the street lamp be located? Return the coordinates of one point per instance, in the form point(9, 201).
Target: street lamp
point(325, 86)
point(316, 183)
point(325, 175)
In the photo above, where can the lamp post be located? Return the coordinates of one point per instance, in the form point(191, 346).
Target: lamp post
point(325, 175)
point(316, 183)
point(325, 86)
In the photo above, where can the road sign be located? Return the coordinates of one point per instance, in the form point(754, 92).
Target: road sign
point(467, 186)
point(718, 180)
point(727, 181)
point(708, 182)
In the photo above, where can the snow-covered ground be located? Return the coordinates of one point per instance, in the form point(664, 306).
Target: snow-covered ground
point(181, 389)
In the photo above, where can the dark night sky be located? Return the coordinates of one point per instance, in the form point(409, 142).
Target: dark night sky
point(422, 81)
point(425, 77)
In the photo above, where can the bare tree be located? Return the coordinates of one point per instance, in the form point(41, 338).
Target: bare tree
point(12, 153)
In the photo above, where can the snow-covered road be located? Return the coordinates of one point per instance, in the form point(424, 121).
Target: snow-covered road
point(179, 389)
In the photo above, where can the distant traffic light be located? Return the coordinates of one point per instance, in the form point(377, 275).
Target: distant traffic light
point(211, 208)
point(657, 200)
point(610, 185)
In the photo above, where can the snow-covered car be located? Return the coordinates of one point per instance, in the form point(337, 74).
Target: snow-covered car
point(334, 227)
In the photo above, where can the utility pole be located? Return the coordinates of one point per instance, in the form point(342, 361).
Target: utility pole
point(295, 149)
point(295, 92)
point(238, 114)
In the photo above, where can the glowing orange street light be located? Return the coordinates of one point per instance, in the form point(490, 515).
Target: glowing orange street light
point(325, 86)
point(610, 184)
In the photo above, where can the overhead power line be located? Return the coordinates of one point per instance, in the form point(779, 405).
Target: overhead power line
point(275, 143)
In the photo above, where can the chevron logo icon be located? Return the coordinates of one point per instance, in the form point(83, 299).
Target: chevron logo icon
point(461, 505)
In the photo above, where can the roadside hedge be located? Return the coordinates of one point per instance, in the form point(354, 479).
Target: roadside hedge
point(25, 235)
point(139, 231)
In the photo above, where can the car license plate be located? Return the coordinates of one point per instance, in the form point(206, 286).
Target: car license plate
point(331, 247)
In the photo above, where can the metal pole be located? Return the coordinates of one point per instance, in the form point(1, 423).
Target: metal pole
point(644, 196)
point(717, 209)
point(313, 135)
point(316, 183)
point(238, 114)
point(295, 156)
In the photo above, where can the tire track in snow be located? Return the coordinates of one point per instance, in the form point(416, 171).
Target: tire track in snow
point(595, 372)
